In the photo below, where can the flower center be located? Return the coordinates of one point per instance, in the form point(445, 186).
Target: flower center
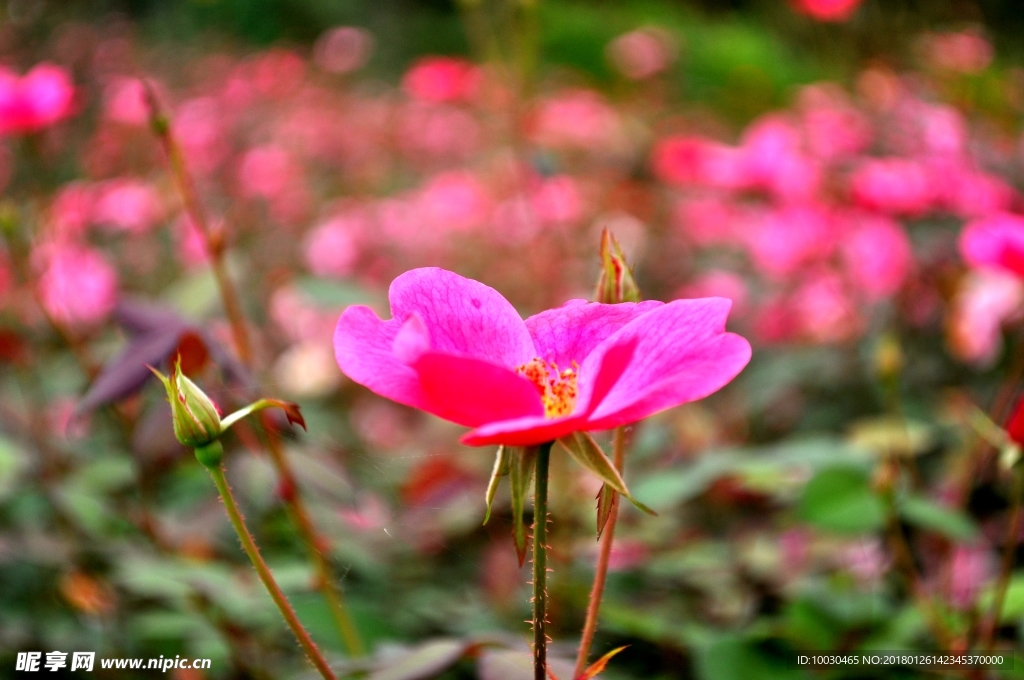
point(557, 389)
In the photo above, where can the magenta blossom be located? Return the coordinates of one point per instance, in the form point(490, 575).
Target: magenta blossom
point(456, 348)
point(40, 98)
point(996, 241)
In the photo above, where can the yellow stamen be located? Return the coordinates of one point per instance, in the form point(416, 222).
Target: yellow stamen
point(557, 389)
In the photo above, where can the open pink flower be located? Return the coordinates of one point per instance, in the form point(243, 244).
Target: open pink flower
point(456, 348)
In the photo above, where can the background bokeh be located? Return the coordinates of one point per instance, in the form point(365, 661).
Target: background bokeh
point(838, 169)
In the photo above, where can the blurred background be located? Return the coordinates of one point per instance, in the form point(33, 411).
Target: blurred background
point(815, 161)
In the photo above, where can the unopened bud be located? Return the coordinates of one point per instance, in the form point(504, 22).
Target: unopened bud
point(195, 417)
point(616, 283)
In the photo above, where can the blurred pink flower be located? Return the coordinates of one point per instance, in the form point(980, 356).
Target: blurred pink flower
point(786, 239)
point(71, 211)
point(300, 319)
point(962, 52)
point(686, 160)
point(558, 200)
point(454, 201)
point(331, 249)
point(877, 256)
point(130, 205)
point(200, 128)
point(711, 220)
point(866, 559)
point(985, 300)
point(456, 348)
point(971, 193)
point(641, 53)
point(774, 159)
point(124, 101)
point(343, 49)
point(827, 10)
point(995, 241)
point(442, 79)
point(824, 310)
point(894, 185)
point(278, 73)
point(437, 130)
point(40, 98)
point(832, 127)
point(970, 569)
point(578, 119)
point(77, 286)
point(268, 172)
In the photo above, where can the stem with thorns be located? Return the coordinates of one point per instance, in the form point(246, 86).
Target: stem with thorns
point(601, 573)
point(540, 569)
point(249, 545)
point(988, 635)
point(214, 245)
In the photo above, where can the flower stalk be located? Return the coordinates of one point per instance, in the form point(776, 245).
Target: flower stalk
point(603, 558)
point(540, 570)
point(249, 545)
point(213, 242)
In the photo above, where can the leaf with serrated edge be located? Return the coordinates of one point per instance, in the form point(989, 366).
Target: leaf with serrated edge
point(501, 469)
point(520, 473)
point(607, 499)
point(599, 665)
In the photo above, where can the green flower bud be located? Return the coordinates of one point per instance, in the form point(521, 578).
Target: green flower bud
point(196, 421)
point(616, 283)
point(198, 425)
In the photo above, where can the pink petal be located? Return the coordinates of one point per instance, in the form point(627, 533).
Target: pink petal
point(995, 241)
point(462, 317)
point(682, 354)
point(472, 392)
point(363, 347)
point(570, 332)
point(528, 431)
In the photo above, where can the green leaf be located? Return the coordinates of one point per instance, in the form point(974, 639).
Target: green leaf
point(520, 473)
point(926, 514)
point(423, 662)
point(501, 469)
point(840, 499)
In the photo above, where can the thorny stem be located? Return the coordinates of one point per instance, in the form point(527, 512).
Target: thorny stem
point(232, 306)
point(249, 545)
point(601, 573)
point(988, 635)
point(540, 569)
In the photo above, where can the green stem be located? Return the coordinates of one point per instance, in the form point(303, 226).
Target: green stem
point(217, 472)
point(540, 569)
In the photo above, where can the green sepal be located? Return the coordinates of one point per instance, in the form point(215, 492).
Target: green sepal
point(521, 465)
point(501, 469)
point(607, 500)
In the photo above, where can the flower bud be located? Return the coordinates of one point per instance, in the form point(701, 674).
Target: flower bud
point(196, 421)
point(616, 283)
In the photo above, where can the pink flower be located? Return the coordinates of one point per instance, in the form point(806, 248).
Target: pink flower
point(343, 49)
point(128, 205)
point(878, 256)
point(40, 98)
point(77, 286)
point(685, 160)
point(893, 185)
point(641, 53)
point(824, 310)
point(995, 241)
point(985, 300)
point(71, 210)
point(970, 569)
point(442, 79)
point(788, 238)
point(454, 201)
point(267, 172)
point(579, 119)
point(775, 161)
point(963, 52)
point(331, 249)
point(125, 102)
point(827, 10)
point(456, 348)
point(558, 200)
